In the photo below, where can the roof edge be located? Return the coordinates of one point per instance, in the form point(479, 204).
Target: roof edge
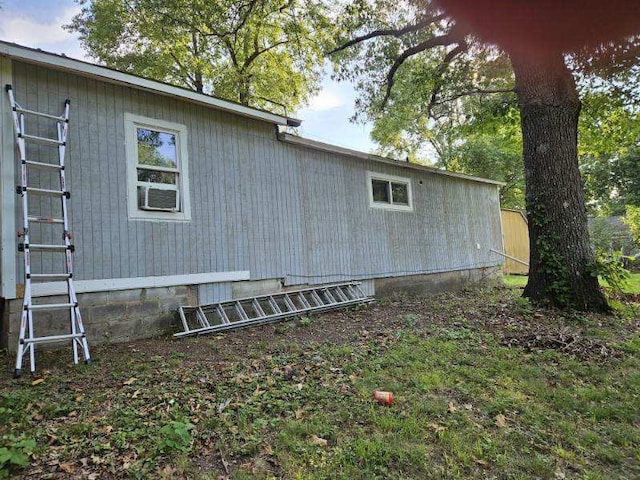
point(327, 147)
point(64, 63)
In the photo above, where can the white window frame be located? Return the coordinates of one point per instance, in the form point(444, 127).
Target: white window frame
point(391, 179)
point(132, 122)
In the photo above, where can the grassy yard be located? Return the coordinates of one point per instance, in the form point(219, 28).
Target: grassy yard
point(631, 285)
point(485, 387)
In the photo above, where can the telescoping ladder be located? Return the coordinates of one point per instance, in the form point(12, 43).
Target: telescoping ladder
point(28, 338)
point(245, 312)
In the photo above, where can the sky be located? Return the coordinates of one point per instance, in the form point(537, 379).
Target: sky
point(38, 24)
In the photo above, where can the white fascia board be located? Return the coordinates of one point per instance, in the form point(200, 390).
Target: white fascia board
point(326, 147)
point(111, 284)
point(59, 62)
point(8, 252)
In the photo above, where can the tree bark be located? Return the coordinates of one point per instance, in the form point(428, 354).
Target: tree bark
point(561, 271)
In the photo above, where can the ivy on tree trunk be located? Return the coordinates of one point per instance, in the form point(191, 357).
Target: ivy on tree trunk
point(561, 271)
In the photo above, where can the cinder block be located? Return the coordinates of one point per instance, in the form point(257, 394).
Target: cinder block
point(90, 299)
point(124, 296)
point(136, 310)
point(103, 313)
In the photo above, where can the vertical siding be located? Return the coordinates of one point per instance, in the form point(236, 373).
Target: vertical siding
point(258, 204)
point(516, 241)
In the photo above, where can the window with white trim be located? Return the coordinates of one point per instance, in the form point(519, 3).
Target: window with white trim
point(389, 192)
point(157, 169)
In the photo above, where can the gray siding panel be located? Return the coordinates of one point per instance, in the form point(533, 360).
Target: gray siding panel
point(276, 209)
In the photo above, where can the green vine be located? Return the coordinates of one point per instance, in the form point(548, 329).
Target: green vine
point(552, 263)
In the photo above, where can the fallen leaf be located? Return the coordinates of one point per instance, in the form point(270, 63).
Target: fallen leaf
point(501, 421)
point(37, 381)
point(267, 450)
point(299, 413)
point(222, 406)
point(559, 474)
point(66, 467)
point(79, 398)
point(168, 472)
point(452, 407)
point(436, 428)
point(135, 394)
point(479, 461)
point(319, 441)
point(130, 381)
point(468, 406)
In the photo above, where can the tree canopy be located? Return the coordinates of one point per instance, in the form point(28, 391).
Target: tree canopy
point(262, 53)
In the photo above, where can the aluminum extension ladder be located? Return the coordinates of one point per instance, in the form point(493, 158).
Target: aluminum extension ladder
point(28, 338)
point(245, 312)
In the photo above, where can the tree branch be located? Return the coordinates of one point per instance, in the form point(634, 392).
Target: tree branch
point(440, 41)
point(477, 91)
point(390, 32)
point(256, 53)
point(448, 58)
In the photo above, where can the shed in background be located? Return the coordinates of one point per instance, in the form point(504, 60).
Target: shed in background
point(515, 237)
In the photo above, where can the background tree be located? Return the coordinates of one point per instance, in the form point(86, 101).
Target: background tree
point(263, 53)
point(536, 36)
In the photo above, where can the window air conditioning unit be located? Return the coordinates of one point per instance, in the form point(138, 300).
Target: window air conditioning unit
point(158, 198)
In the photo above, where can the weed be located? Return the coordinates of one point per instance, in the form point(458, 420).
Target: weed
point(175, 436)
point(304, 321)
point(14, 452)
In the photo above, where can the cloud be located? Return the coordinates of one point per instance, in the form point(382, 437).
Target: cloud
point(325, 100)
point(49, 36)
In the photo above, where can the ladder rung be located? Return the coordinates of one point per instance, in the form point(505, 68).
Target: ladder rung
point(222, 314)
point(48, 277)
point(42, 140)
point(241, 312)
point(53, 166)
point(53, 338)
point(316, 298)
point(40, 114)
point(289, 303)
point(303, 301)
point(53, 306)
point(257, 307)
point(45, 220)
point(274, 306)
point(45, 191)
point(202, 318)
point(50, 248)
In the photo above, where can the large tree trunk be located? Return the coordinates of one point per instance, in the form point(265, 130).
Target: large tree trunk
point(561, 271)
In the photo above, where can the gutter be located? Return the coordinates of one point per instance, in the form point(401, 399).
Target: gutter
point(326, 147)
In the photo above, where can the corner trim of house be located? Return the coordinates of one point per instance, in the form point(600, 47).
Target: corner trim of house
point(8, 253)
point(111, 284)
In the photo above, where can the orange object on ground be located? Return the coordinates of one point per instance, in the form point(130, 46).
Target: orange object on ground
point(385, 398)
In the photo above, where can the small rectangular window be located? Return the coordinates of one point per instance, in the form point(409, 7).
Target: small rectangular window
point(389, 192)
point(157, 164)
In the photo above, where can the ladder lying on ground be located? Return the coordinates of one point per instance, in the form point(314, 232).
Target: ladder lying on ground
point(28, 338)
point(251, 311)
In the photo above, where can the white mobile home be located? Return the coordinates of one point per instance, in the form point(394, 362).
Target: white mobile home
point(182, 198)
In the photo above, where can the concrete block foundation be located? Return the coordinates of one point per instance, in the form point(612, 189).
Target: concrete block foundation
point(108, 317)
point(126, 315)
